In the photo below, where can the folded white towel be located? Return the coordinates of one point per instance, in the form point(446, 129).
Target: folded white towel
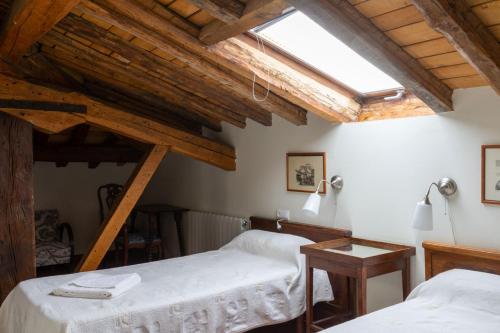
point(98, 286)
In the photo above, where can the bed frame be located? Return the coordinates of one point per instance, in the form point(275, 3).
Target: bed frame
point(309, 231)
point(342, 308)
point(441, 257)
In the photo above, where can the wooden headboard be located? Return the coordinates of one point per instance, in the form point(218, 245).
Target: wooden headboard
point(309, 231)
point(443, 257)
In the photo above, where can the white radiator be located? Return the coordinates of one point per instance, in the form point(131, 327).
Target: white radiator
point(203, 231)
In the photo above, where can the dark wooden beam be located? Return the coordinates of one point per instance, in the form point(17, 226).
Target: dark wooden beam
point(225, 10)
point(28, 21)
point(467, 33)
point(346, 23)
point(42, 106)
point(17, 225)
point(62, 154)
point(79, 134)
point(78, 137)
point(257, 12)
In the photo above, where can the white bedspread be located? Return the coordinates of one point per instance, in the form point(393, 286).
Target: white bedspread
point(256, 280)
point(456, 301)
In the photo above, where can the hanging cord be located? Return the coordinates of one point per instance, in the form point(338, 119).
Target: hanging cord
point(447, 211)
point(261, 47)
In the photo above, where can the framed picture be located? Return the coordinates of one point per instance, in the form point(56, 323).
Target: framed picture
point(304, 171)
point(490, 175)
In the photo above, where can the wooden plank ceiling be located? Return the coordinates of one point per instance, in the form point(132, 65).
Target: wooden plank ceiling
point(174, 61)
point(404, 24)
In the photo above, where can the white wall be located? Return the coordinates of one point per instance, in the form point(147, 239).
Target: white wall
point(73, 191)
point(386, 165)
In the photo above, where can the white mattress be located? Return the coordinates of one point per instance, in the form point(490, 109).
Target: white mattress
point(456, 301)
point(256, 280)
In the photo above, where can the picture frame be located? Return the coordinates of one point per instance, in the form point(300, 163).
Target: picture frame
point(304, 171)
point(490, 174)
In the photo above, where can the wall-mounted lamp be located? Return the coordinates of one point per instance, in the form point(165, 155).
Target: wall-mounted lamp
point(311, 207)
point(422, 218)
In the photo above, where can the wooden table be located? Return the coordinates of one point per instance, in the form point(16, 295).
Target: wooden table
point(154, 211)
point(358, 259)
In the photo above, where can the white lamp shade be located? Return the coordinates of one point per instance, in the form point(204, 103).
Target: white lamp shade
point(422, 217)
point(311, 207)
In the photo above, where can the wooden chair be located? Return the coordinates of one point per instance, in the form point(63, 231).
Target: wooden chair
point(128, 238)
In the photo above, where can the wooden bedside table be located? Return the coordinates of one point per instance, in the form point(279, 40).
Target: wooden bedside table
point(358, 259)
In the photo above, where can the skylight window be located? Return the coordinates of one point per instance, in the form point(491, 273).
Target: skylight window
point(303, 38)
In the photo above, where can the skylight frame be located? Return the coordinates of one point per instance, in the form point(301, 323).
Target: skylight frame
point(362, 97)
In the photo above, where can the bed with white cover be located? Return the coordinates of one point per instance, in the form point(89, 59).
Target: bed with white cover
point(256, 280)
point(455, 301)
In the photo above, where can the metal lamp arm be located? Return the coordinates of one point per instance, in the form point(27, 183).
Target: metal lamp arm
point(336, 182)
point(426, 199)
point(321, 182)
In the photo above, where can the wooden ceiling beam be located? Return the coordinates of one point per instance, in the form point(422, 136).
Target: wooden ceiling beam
point(296, 86)
point(136, 105)
point(228, 11)
point(346, 23)
point(113, 90)
point(154, 29)
point(466, 32)
point(257, 12)
point(182, 77)
point(114, 120)
point(28, 21)
point(73, 53)
point(408, 106)
point(287, 85)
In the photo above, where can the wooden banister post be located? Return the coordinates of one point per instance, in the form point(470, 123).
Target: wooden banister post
point(123, 207)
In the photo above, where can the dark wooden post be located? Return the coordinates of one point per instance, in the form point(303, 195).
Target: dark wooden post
point(17, 226)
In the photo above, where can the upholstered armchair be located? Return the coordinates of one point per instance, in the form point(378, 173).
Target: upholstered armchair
point(51, 249)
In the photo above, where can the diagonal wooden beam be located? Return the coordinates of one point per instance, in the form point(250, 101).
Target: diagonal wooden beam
point(345, 22)
point(122, 208)
point(115, 120)
point(257, 12)
point(155, 29)
point(466, 32)
point(225, 10)
point(28, 21)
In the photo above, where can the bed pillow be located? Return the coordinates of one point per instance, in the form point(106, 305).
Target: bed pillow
point(464, 288)
point(270, 244)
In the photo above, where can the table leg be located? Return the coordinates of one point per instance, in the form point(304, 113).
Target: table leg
point(299, 322)
point(149, 238)
point(178, 225)
point(406, 275)
point(309, 296)
point(361, 292)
